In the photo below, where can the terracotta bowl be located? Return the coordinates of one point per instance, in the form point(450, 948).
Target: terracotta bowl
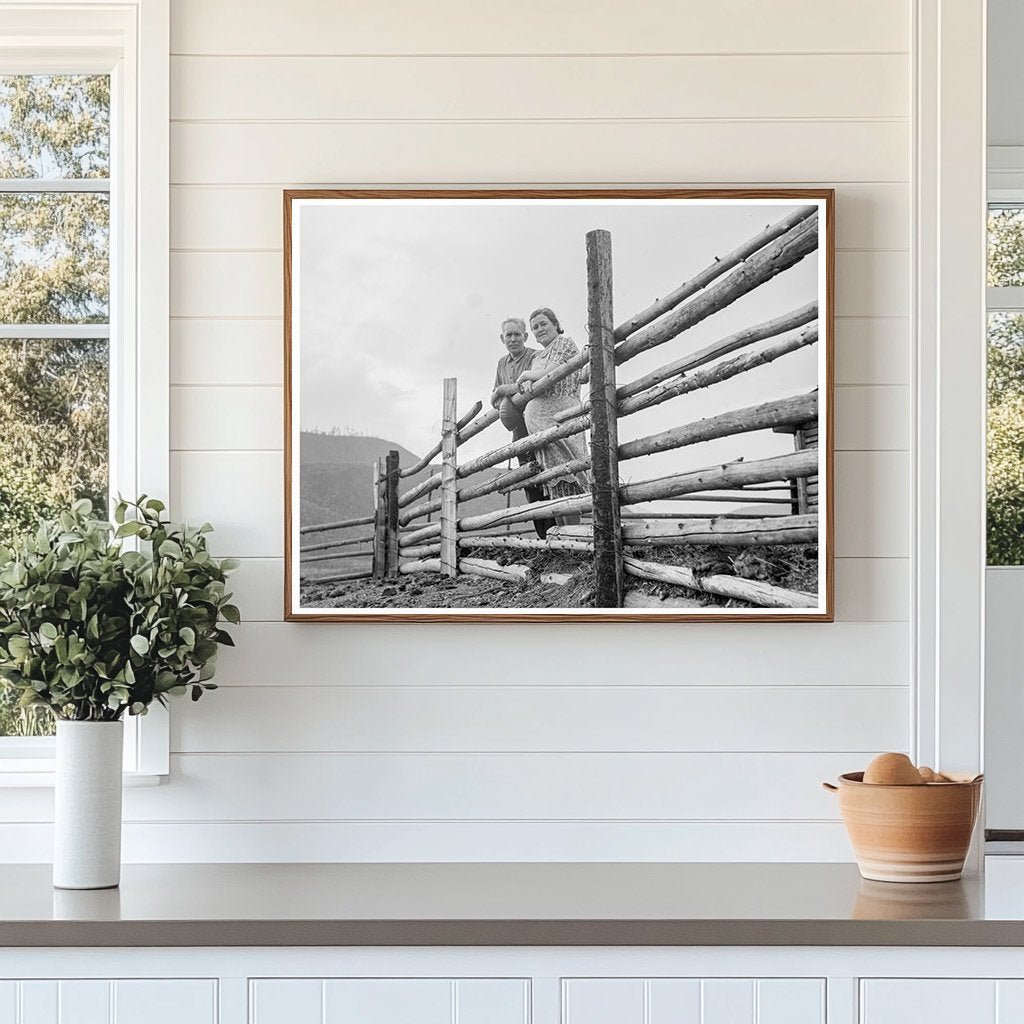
point(909, 833)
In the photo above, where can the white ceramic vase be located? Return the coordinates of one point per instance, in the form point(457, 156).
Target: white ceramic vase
point(87, 810)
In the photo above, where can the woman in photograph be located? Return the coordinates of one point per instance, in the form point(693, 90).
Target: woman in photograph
point(558, 348)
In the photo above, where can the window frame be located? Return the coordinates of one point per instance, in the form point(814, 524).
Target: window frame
point(130, 41)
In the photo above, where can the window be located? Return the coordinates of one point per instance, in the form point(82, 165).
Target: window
point(54, 309)
point(84, 124)
point(1005, 385)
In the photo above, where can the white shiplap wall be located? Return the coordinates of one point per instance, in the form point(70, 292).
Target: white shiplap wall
point(688, 741)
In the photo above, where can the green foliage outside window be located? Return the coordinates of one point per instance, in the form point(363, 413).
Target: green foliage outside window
point(54, 269)
point(1005, 484)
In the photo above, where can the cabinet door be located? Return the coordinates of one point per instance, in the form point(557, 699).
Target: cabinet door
point(941, 1001)
point(106, 1001)
point(388, 1000)
point(693, 1001)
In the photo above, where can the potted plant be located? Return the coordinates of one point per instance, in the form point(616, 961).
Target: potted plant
point(93, 629)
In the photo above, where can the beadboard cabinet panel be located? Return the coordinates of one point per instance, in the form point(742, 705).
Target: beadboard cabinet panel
point(102, 1001)
point(389, 1001)
point(693, 1001)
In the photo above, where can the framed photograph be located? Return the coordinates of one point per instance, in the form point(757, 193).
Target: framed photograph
point(558, 405)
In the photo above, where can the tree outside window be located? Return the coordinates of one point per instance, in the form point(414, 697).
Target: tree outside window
point(54, 307)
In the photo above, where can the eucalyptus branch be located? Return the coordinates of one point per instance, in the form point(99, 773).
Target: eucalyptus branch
point(91, 630)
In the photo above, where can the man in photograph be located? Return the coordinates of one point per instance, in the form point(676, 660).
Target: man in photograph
point(518, 357)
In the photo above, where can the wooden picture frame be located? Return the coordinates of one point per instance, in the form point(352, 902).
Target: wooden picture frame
point(366, 254)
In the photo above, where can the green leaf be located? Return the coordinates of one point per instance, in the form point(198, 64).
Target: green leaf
point(170, 549)
point(140, 644)
point(188, 634)
point(231, 613)
point(49, 631)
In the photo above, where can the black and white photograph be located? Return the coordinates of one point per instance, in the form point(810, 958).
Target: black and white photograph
point(565, 405)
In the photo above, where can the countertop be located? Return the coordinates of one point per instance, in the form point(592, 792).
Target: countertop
point(558, 904)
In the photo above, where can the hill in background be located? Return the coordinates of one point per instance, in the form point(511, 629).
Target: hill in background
point(336, 478)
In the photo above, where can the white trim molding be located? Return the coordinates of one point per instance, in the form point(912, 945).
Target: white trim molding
point(131, 41)
point(949, 286)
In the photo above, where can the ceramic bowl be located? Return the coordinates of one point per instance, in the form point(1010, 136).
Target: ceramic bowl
point(909, 833)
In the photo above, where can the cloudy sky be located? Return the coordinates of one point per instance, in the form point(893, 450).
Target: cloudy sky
point(395, 295)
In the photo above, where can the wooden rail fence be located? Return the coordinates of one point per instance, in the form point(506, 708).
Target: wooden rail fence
point(406, 539)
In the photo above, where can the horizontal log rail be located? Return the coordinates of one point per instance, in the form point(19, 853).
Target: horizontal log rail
point(414, 537)
point(764, 595)
point(773, 259)
point(631, 513)
point(339, 577)
point(716, 374)
point(526, 543)
point(470, 567)
point(661, 533)
point(778, 467)
point(474, 428)
point(798, 409)
point(423, 487)
point(549, 509)
point(336, 544)
point(710, 273)
point(436, 450)
point(523, 447)
point(549, 380)
point(344, 524)
point(722, 347)
point(336, 557)
point(421, 551)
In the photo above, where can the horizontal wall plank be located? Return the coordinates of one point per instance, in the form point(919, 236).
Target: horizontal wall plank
point(244, 787)
point(867, 589)
point(533, 26)
point(251, 418)
point(579, 654)
point(873, 283)
point(570, 152)
point(873, 589)
point(249, 284)
point(227, 352)
point(239, 492)
point(452, 842)
point(538, 87)
point(408, 719)
point(242, 494)
point(872, 504)
point(238, 418)
point(872, 216)
point(209, 284)
point(870, 350)
point(872, 418)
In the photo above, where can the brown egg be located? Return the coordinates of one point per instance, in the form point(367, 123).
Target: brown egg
point(892, 770)
point(927, 774)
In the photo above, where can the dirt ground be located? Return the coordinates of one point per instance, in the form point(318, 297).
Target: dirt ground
point(791, 566)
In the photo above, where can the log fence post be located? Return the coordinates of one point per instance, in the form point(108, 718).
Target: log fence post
point(379, 524)
point(391, 514)
point(604, 434)
point(449, 498)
